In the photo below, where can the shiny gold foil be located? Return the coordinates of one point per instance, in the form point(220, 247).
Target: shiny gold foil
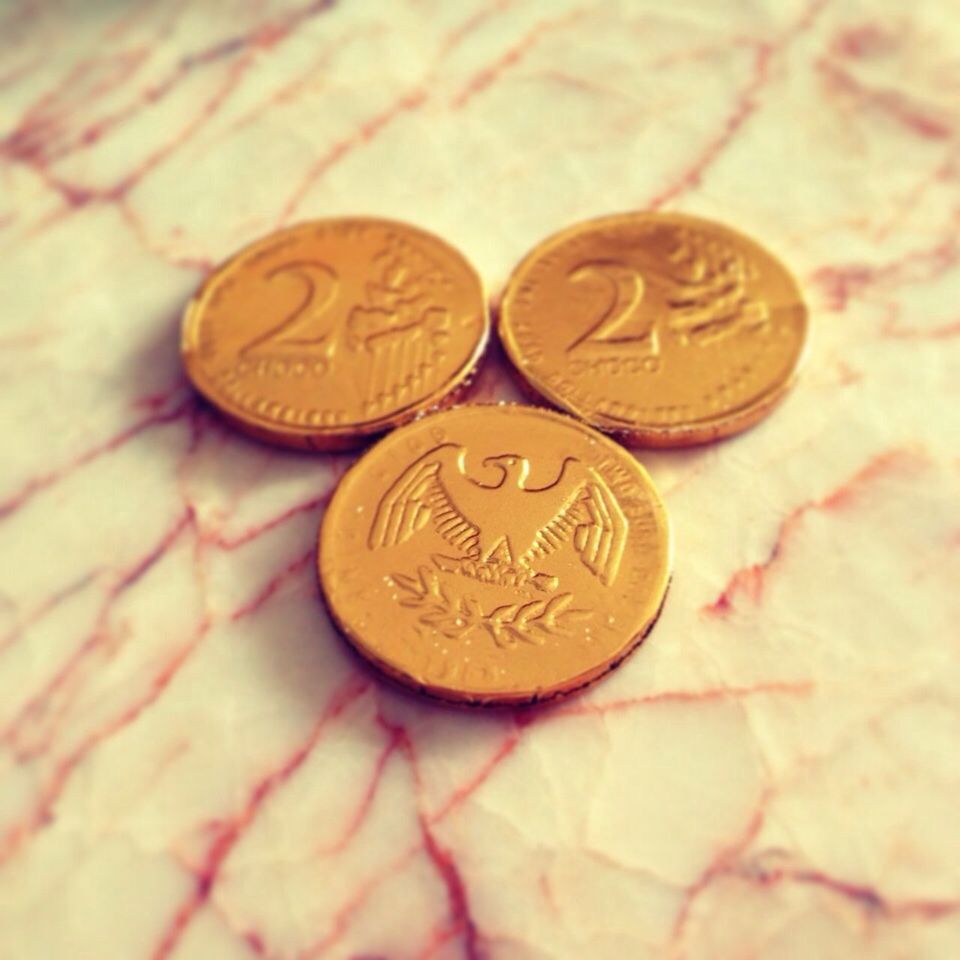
point(663, 329)
point(495, 554)
point(325, 333)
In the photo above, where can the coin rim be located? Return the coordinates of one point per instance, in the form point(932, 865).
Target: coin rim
point(343, 436)
point(486, 699)
point(688, 433)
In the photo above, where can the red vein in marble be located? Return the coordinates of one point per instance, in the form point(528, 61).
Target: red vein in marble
point(288, 91)
point(749, 581)
point(274, 584)
point(917, 118)
point(55, 784)
point(943, 174)
point(479, 776)
point(363, 134)
point(745, 106)
point(866, 897)
point(362, 809)
point(727, 862)
point(484, 77)
point(581, 706)
point(721, 864)
point(473, 23)
point(200, 118)
point(40, 482)
point(34, 140)
point(46, 606)
point(461, 922)
point(227, 542)
point(395, 741)
point(340, 922)
point(130, 17)
point(41, 716)
point(897, 331)
point(139, 229)
point(37, 704)
point(44, 708)
point(335, 466)
point(864, 41)
point(841, 283)
point(231, 830)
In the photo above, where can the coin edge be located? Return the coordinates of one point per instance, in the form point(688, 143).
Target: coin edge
point(339, 437)
point(691, 433)
point(486, 700)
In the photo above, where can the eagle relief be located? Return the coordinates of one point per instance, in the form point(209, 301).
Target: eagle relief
point(498, 529)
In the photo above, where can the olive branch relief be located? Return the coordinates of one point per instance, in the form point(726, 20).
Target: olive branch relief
point(531, 621)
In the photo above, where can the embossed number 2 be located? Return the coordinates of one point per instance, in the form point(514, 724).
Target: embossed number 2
point(627, 289)
point(299, 328)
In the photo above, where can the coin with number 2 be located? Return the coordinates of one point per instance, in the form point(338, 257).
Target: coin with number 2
point(325, 333)
point(663, 329)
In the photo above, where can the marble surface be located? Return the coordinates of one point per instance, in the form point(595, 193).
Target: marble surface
point(192, 766)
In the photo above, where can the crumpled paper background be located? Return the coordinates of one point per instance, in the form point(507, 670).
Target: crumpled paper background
point(192, 765)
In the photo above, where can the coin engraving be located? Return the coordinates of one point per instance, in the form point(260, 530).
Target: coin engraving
point(709, 299)
point(398, 328)
point(704, 291)
point(302, 326)
point(519, 524)
point(332, 330)
point(663, 328)
point(622, 310)
point(526, 621)
point(509, 553)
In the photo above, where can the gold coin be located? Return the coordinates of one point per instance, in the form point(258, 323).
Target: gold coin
point(320, 335)
point(664, 329)
point(495, 554)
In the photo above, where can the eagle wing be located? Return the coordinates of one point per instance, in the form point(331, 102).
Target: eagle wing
point(592, 521)
point(419, 495)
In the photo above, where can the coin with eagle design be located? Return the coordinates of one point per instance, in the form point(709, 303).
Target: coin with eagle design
point(325, 333)
point(663, 329)
point(495, 554)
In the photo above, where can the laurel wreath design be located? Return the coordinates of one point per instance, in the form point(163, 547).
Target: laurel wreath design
point(531, 621)
point(711, 299)
point(400, 326)
point(397, 300)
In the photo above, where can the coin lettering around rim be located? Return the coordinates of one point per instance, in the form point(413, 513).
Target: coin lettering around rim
point(325, 333)
point(664, 329)
point(495, 554)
